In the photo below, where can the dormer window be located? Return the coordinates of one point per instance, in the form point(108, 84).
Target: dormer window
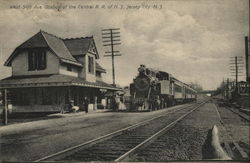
point(36, 59)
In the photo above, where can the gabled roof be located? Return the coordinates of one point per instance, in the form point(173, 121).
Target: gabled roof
point(80, 46)
point(44, 39)
point(58, 46)
point(35, 41)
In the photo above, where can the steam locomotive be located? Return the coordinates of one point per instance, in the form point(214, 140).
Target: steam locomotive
point(153, 89)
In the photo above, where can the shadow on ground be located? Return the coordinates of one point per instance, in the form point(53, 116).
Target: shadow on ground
point(207, 150)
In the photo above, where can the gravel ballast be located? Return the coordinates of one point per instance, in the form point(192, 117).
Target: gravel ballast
point(185, 141)
point(237, 130)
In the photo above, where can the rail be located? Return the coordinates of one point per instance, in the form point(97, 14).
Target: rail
point(146, 142)
point(73, 149)
point(226, 135)
point(242, 115)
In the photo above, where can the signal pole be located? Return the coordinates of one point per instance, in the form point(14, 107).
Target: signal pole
point(111, 38)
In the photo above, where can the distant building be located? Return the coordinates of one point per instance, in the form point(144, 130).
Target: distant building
point(243, 88)
point(48, 72)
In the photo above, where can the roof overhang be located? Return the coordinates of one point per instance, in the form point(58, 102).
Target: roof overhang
point(55, 84)
point(101, 70)
point(9, 60)
point(71, 62)
point(52, 81)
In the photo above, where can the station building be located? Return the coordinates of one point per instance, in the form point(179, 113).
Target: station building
point(48, 72)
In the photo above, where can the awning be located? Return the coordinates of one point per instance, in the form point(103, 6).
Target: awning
point(52, 80)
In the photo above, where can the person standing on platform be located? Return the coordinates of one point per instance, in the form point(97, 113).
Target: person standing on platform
point(71, 105)
point(86, 104)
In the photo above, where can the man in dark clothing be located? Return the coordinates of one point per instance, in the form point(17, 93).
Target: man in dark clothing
point(86, 104)
point(71, 104)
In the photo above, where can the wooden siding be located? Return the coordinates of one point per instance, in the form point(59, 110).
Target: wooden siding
point(63, 70)
point(20, 65)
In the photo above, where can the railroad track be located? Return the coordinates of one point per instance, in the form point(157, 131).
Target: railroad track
point(241, 114)
point(235, 110)
point(232, 147)
point(119, 145)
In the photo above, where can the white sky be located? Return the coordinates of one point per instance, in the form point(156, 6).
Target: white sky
point(193, 40)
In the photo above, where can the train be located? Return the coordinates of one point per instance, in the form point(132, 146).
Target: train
point(152, 89)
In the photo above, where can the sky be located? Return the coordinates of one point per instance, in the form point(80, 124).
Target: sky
point(192, 40)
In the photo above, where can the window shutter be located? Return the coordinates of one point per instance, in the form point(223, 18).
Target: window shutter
point(89, 64)
point(44, 60)
point(92, 65)
point(36, 58)
point(41, 60)
point(30, 61)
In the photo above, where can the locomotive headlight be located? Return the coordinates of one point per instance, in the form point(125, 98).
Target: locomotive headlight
point(141, 84)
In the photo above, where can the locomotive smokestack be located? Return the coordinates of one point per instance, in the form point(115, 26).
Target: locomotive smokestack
point(142, 68)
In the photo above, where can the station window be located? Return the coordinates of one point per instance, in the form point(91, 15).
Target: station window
point(36, 59)
point(90, 65)
point(69, 68)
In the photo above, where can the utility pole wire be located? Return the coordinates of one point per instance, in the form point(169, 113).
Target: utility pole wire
point(236, 69)
point(111, 37)
point(246, 57)
point(236, 74)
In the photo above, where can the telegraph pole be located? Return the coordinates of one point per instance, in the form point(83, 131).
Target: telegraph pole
point(237, 64)
point(223, 88)
point(227, 89)
point(111, 37)
point(246, 57)
point(236, 74)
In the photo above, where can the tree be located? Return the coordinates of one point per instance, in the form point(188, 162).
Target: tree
point(196, 86)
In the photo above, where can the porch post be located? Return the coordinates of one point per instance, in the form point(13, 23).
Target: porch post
point(95, 102)
point(106, 103)
point(69, 93)
point(5, 107)
point(69, 98)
